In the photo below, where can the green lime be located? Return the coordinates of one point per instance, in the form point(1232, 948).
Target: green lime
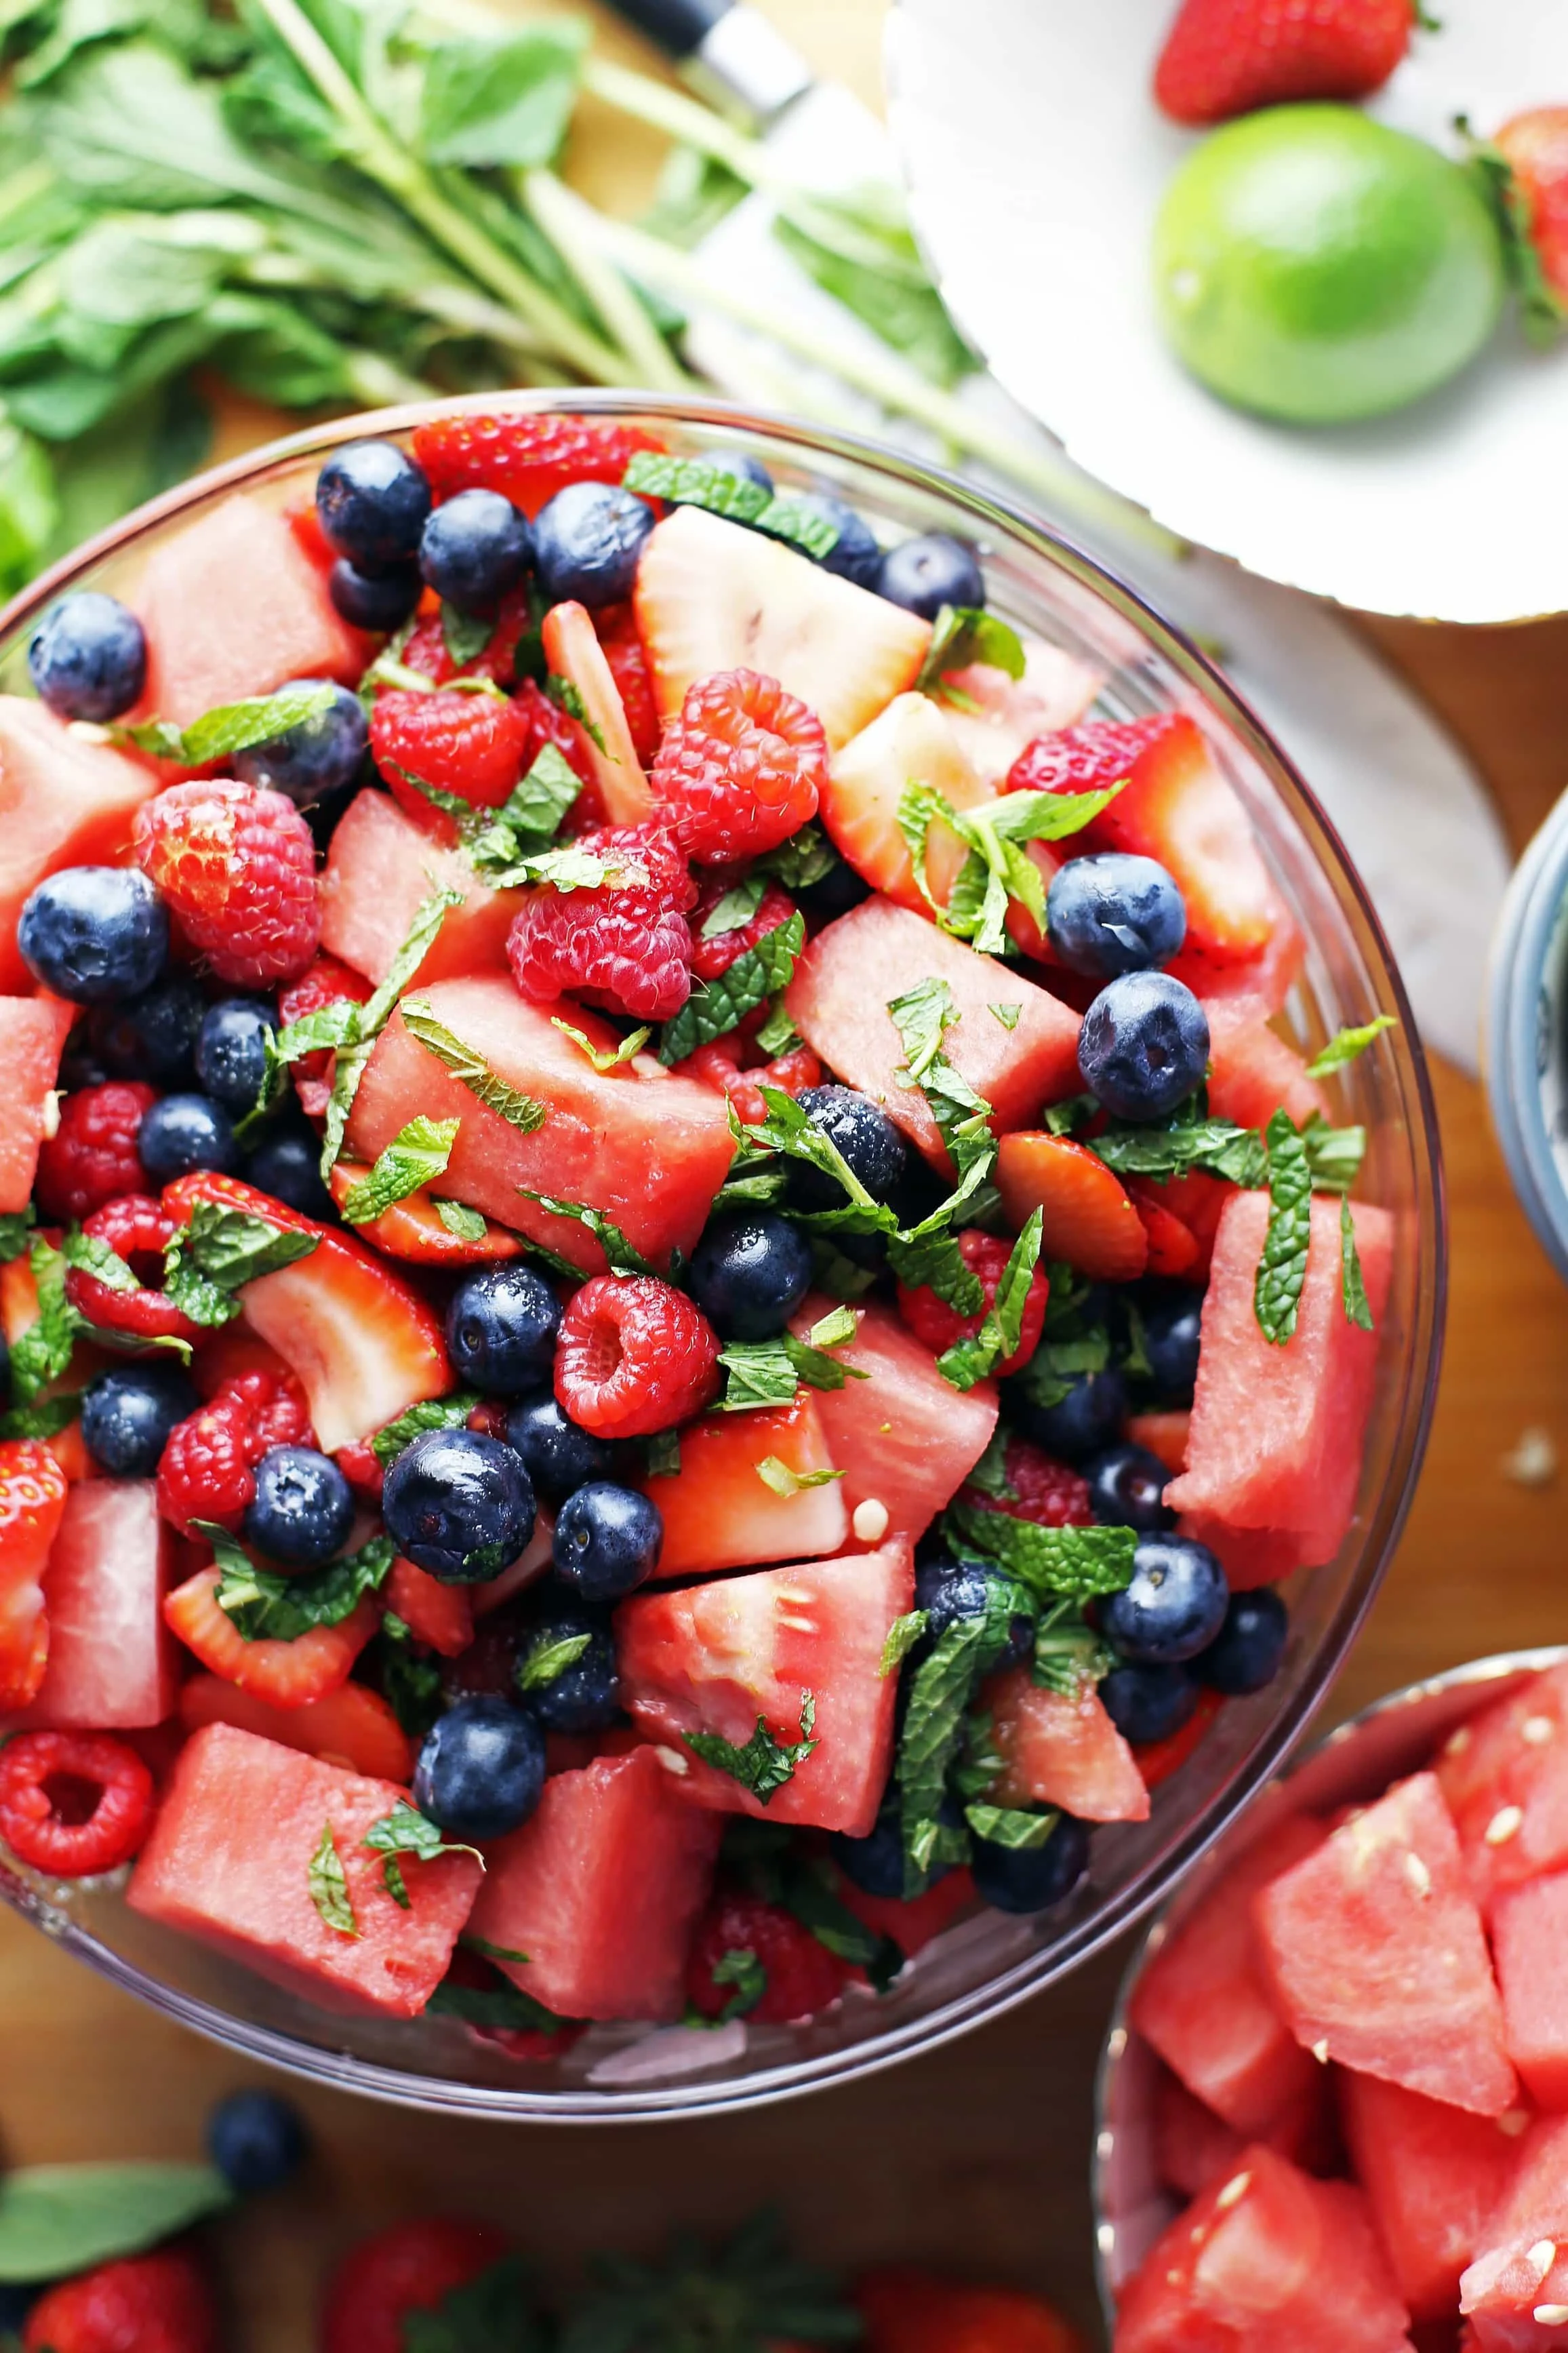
point(1313, 265)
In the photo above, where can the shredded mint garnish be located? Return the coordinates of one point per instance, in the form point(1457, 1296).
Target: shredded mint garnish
point(231, 727)
point(416, 1155)
point(329, 1885)
point(721, 1005)
point(264, 1607)
point(524, 1112)
point(764, 1764)
point(1282, 1269)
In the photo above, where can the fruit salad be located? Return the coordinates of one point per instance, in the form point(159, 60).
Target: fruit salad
point(673, 1310)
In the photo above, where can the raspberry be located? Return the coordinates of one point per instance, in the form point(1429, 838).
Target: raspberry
point(742, 768)
point(715, 955)
point(718, 1065)
point(1048, 1492)
point(634, 681)
point(158, 2303)
point(548, 723)
point(205, 1471)
point(237, 867)
point(92, 1155)
point(137, 1230)
point(624, 941)
point(475, 745)
point(1086, 759)
point(426, 649)
point(931, 1319)
point(634, 1355)
point(803, 1977)
point(529, 458)
point(72, 1803)
point(324, 981)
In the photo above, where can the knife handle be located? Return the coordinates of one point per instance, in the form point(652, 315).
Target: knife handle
point(728, 50)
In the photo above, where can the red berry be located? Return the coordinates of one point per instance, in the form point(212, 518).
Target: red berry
point(1086, 759)
point(1048, 1492)
point(323, 982)
point(742, 768)
point(237, 868)
point(205, 1471)
point(634, 680)
point(31, 1504)
point(1536, 146)
point(529, 2044)
point(793, 1073)
point(527, 458)
point(72, 1803)
point(803, 1977)
point(634, 1355)
point(363, 1469)
point(548, 723)
point(410, 2267)
point(931, 1319)
point(1227, 56)
point(158, 2303)
point(713, 956)
point(92, 1155)
point(623, 943)
point(475, 745)
point(426, 649)
point(138, 1228)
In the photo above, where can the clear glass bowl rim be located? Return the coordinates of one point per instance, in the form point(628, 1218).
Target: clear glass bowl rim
point(980, 511)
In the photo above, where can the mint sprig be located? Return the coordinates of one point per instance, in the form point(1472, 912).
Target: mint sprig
point(735, 498)
point(1348, 1045)
point(231, 727)
point(264, 1607)
point(417, 1155)
point(210, 1259)
point(922, 1017)
point(468, 1067)
point(1081, 1563)
point(721, 1005)
point(1282, 1269)
point(432, 1413)
point(329, 1885)
point(765, 1763)
point(968, 1361)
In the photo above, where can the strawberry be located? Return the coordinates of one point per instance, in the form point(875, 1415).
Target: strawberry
point(1536, 146)
point(323, 982)
point(526, 457)
point(158, 2303)
point(866, 782)
point(473, 745)
point(909, 2311)
point(442, 1616)
point(353, 1727)
point(1089, 1219)
point(799, 1977)
point(32, 1503)
point(1227, 56)
point(136, 1229)
point(634, 680)
point(410, 2267)
point(1173, 1249)
point(411, 1228)
point(603, 738)
point(1165, 1434)
point(237, 869)
point(426, 649)
point(284, 1675)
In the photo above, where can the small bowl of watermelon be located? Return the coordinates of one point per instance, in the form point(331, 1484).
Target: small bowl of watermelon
point(720, 1249)
point(1333, 2104)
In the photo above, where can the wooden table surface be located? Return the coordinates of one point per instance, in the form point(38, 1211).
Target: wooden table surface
point(975, 2156)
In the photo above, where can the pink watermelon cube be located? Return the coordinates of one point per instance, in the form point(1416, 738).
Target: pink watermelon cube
point(1255, 1073)
point(113, 1663)
point(63, 802)
point(1530, 1943)
point(903, 1437)
point(716, 1658)
point(1433, 2176)
point(1278, 1432)
point(1515, 2292)
point(203, 648)
point(229, 1862)
point(380, 865)
point(1377, 1959)
point(1505, 1777)
point(852, 970)
point(33, 1033)
point(719, 1510)
point(1191, 2144)
point(1062, 1752)
point(1204, 2003)
point(648, 1148)
point(1249, 1557)
point(600, 1890)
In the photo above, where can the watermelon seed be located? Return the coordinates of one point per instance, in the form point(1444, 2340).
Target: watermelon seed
point(1416, 1873)
point(1234, 2191)
point(1552, 2316)
point(869, 1520)
point(1504, 1824)
point(1538, 1730)
point(672, 1760)
point(1540, 2258)
point(1321, 2052)
point(1513, 2121)
point(1457, 1742)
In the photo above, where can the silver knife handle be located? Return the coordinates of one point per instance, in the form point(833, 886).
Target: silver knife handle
point(726, 50)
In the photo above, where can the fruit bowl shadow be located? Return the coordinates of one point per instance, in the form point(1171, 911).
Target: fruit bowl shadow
point(1041, 583)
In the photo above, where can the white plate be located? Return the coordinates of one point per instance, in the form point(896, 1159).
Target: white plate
point(1036, 161)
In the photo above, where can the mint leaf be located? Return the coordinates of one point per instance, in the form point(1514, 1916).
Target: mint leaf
point(1352, 1282)
point(693, 483)
point(41, 1353)
point(1282, 1269)
point(661, 1454)
point(411, 1686)
point(329, 1887)
point(623, 1258)
point(1007, 1014)
point(416, 1155)
point(371, 1018)
point(735, 910)
point(968, 1361)
point(492, 2313)
point(466, 1224)
point(548, 1658)
point(475, 1944)
point(405, 1831)
point(769, 1861)
point(219, 1251)
point(46, 1418)
point(1069, 1656)
point(1335, 1154)
point(990, 1473)
point(721, 1005)
point(1010, 1825)
point(499, 842)
point(835, 1329)
point(264, 1607)
point(757, 1374)
point(764, 1764)
point(790, 1131)
point(470, 1070)
point(938, 1696)
point(91, 1256)
point(15, 1232)
point(1078, 1562)
point(766, 1186)
point(806, 858)
point(567, 696)
point(464, 635)
point(962, 634)
point(1190, 1140)
point(602, 1060)
point(776, 1474)
point(778, 1034)
point(63, 2219)
point(1345, 1045)
point(902, 1635)
point(922, 1017)
point(743, 1970)
point(503, 2007)
point(431, 1413)
point(232, 726)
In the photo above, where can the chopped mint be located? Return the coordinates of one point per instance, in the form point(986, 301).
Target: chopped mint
point(503, 2006)
point(1080, 1562)
point(410, 1686)
point(1007, 1014)
point(603, 1060)
point(623, 1258)
point(547, 1660)
point(761, 1373)
point(902, 1635)
point(742, 1970)
point(262, 1606)
point(432, 1413)
point(933, 1730)
point(990, 1473)
point(353, 1051)
point(405, 1831)
point(835, 1329)
point(1011, 1826)
point(1282, 1269)
point(231, 727)
point(89, 1255)
point(466, 1224)
point(1069, 1656)
point(470, 1070)
point(1347, 1044)
point(1190, 1140)
point(769, 1859)
point(1335, 1154)
point(922, 1017)
point(784, 1481)
point(765, 1764)
point(763, 1185)
point(567, 696)
point(498, 841)
point(721, 1005)
point(806, 858)
point(15, 1232)
point(44, 1418)
point(329, 1885)
point(416, 1155)
point(220, 1250)
point(968, 1361)
point(41, 1353)
point(735, 910)
point(778, 1034)
point(962, 634)
point(1352, 1282)
point(690, 482)
point(661, 1453)
point(464, 635)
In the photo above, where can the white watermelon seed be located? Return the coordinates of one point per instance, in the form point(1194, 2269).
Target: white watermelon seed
point(1504, 1824)
point(1457, 1742)
point(1321, 2052)
point(1513, 2121)
point(869, 1520)
point(1235, 2190)
point(672, 1760)
point(1542, 2256)
point(1538, 1730)
point(1417, 1874)
point(1552, 2316)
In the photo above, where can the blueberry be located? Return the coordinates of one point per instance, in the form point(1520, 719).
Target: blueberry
point(15, 2304)
point(256, 2140)
point(1127, 1488)
point(866, 1139)
point(1093, 1410)
point(739, 464)
point(951, 1590)
point(459, 1504)
point(182, 1133)
point(88, 657)
point(231, 1051)
point(474, 549)
point(1114, 913)
point(302, 1509)
point(287, 1165)
point(855, 554)
point(501, 1329)
point(839, 889)
point(558, 1456)
point(372, 501)
point(923, 574)
point(380, 602)
point(1144, 1045)
point(606, 1540)
point(93, 933)
point(586, 1696)
point(318, 757)
point(750, 1272)
point(482, 1770)
point(1031, 1879)
point(128, 1413)
point(1148, 1704)
point(1171, 1316)
point(587, 543)
point(1244, 1655)
point(1173, 1607)
point(875, 1863)
point(152, 1036)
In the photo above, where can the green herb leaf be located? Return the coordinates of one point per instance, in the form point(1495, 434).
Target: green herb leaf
point(769, 1861)
point(233, 726)
point(902, 1635)
point(721, 1005)
point(939, 1698)
point(1007, 1014)
point(466, 1224)
point(661, 1453)
point(60, 2218)
point(504, 99)
point(784, 1481)
point(778, 1035)
point(1069, 1656)
point(1010, 1826)
point(1282, 1269)
point(693, 483)
point(632, 1043)
point(968, 1361)
point(499, 840)
point(411, 1686)
point(15, 1232)
point(922, 1016)
point(1352, 1282)
point(40, 1354)
point(567, 696)
point(475, 1944)
point(990, 1473)
point(44, 1418)
point(962, 634)
point(790, 1131)
point(221, 1249)
point(371, 1018)
point(90, 1256)
point(743, 1971)
point(464, 635)
point(735, 910)
point(835, 1329)
point(1190, 1141)
point(329, 1887)
point(622, 1257)
point(503, 2006)
point(758, 1374)
point(764, 1764)
point(470, 1070)
point(264, 1607)
point(405, 1831)
point(492, 2313)
point(807, 857)
point(547, 1660)
point(1335, 1154)
point(1080, 1562)
point(416, 1155)
point(858, 246)
point(1347, 1044)
point(432, 1413)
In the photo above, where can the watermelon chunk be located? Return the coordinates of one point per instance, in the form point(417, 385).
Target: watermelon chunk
point(379, 868)
point(1249, 1557)
point(200, 651)
point(1505, 1777)
point(1255, 1073)
point(1278, 1433)
point(716, 1657)
point(852, 970)
point(1530, 1941)
point(904, 1437)
point(649, 1148)
point(1376, 1955)
point(912, 1921)
point(1062, 1752)
point(63, 802)
point(1191, 2144)
point(1516, 2290)
point(719, 1511)
point(33, 1033)
point(1204, 2004)
point(602, 1889)
point(912, 740)
point(1000, 716)
point(229, 1862)
point(112, 1663)
point(1433, 2176)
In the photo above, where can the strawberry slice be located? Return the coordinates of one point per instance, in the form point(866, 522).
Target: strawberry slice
point(526, 457)
point(353, 1727)
point(284, 1675)
point(439, 1615)
point(1173, 1249)
point(575, 654)
point(18, 1314)
point(1165, 1434)
point(913, 738)
point(1088, 1218)
point(31, 1504)
point(413, 1230)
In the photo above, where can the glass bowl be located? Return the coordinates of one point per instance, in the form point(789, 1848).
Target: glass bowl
point(1526, 1034)
point(985, 1964)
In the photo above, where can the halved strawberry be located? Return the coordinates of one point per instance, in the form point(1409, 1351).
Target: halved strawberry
point(1163, 1434)
point(527, 457)
point(411, 1229)
point(712, 596)
point(18, 1314)
point(31, 1504)
point(353, 1727)
point(573, 653)
point(1172, 1250)
point(617, 633)
point(1179, 809)
point(439, 1615)
point(910, 742)
point(285, 1674)
point(1088, 1218)
point(1199, 1201)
